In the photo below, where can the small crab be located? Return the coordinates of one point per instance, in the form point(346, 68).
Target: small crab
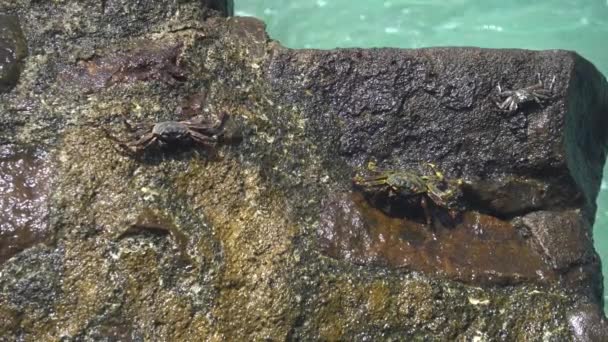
point(172, 133)
point(516, 98)
point(410, 184)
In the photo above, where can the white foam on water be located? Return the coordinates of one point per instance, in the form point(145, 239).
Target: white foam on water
point(243, 14)
point(492, 28)
point(391, 30)
point(321, 3)
point(450, 25)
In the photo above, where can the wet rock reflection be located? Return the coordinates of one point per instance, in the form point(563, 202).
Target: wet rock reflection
point(24, 189)
point(478, 249)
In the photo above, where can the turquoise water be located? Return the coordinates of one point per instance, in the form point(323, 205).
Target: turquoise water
point(580, 25)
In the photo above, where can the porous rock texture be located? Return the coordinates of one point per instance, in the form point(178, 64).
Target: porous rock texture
point(264, 236)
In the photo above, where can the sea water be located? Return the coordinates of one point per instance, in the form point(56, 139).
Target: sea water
point(579, 25)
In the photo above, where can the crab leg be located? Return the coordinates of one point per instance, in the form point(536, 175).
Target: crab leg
point(379, 181)
point(110, 136)
point(146, 140)
point(142, 144)
point(201, 127)
point(123, 144)
point(499, 89)
point(437, 173)
point(202, 139)
point(425, 207)
point(506, 103)
point(374, 180)
point(128, 125)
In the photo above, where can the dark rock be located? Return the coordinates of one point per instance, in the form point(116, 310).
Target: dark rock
point(585, 139)
point(402, 107)
point(37, 285)
point(13, 48)
point(398, 108)
point(564, 236)
point(92, 20)
point(588, 324)
point(226, 7)
point(508, 197)
point(249, 30)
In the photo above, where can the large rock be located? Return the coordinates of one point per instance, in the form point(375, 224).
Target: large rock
point(264, 237)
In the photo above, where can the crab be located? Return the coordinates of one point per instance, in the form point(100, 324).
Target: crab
point(515, 98)
point(173, 133)
point(410, 184)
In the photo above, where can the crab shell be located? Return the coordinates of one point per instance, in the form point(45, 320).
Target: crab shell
point(170, 131)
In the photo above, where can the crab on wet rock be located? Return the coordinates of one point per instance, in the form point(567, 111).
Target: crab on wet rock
point(175, 133)
point(422, 188)
point(516, 98)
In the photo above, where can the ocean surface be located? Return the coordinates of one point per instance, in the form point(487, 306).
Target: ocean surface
point(579, 25)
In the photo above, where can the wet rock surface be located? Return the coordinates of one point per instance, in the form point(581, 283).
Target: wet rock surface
point(25, 177)
point(563, 236)
point(403, 107)
point(265, 238)
point(147, 60)
point(478, 249)
point(588, 323)
point(399, 108)
point(13, 49)
point(511, 197)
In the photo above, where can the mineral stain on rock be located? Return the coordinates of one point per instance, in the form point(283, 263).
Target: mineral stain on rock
point(24, 189)
point(477, 249)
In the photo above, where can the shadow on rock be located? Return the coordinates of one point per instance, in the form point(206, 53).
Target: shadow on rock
point(13, 49)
